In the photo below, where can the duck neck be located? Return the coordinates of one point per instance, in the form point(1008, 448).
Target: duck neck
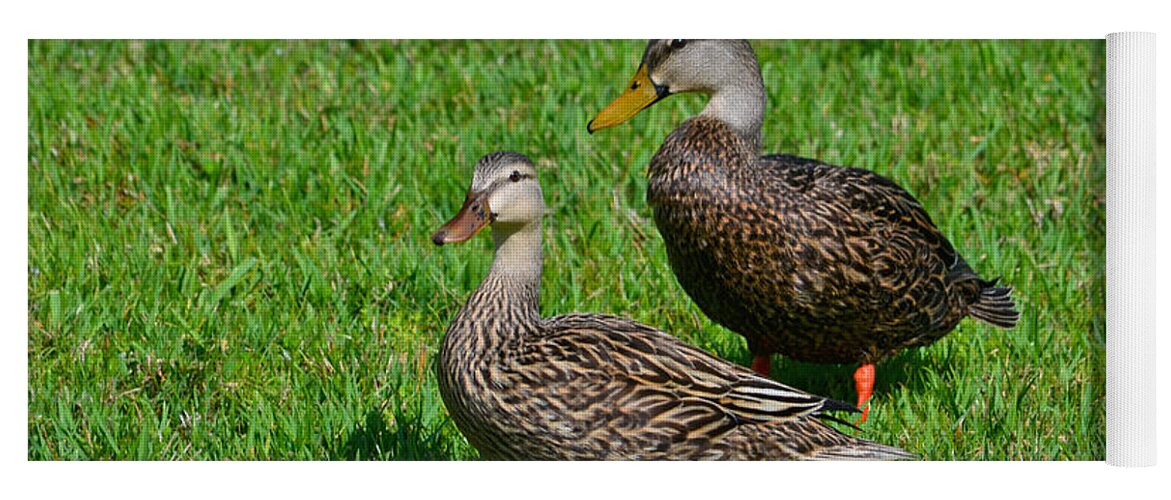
point(497, 318)
point(513, 284)
point(518, 254)
point(741, 103)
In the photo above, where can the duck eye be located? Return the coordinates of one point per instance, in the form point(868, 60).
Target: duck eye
point(677, 43)
point(515, 177)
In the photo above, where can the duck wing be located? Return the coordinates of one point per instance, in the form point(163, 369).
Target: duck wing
point(882, 226)
point(605, 386)
point(660, 366)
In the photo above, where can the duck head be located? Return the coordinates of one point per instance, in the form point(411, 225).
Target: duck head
point(504, 193)
point(675, 66)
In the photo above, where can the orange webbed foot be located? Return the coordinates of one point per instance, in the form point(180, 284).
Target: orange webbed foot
point(864, 385)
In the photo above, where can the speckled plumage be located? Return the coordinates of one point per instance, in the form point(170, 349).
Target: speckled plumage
point(821, 263)
point(817, 262)
point(599, 387)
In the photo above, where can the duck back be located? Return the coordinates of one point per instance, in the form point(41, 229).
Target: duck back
point(818, 262)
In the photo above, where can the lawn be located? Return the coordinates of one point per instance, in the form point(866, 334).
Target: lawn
point(229, 253)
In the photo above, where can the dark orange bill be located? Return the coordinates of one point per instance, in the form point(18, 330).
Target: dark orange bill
point(639, 94)
point(472, 217)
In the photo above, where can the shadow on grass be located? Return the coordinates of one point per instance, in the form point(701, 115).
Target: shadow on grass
point(408, 437)
point(837, 381)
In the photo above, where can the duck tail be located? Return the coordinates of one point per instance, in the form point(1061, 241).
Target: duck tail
point(995, 306)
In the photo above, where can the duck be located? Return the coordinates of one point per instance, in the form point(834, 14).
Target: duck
point(599, 387)
point(817, 262)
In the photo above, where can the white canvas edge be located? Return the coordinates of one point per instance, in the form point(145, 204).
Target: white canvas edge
point(1130, 241)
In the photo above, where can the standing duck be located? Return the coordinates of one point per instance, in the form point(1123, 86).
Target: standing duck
point(820, 263)
point(592, 386)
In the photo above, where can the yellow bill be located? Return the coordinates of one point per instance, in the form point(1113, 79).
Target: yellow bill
point(639, 94)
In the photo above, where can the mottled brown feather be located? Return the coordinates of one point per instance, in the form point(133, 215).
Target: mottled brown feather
point(821, 263)
point(598, 387)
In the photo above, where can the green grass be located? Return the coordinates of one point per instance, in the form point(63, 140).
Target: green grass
point(229, 254)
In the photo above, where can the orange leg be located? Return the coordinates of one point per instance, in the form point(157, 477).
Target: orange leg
point(864, 384)
point(762, 364)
